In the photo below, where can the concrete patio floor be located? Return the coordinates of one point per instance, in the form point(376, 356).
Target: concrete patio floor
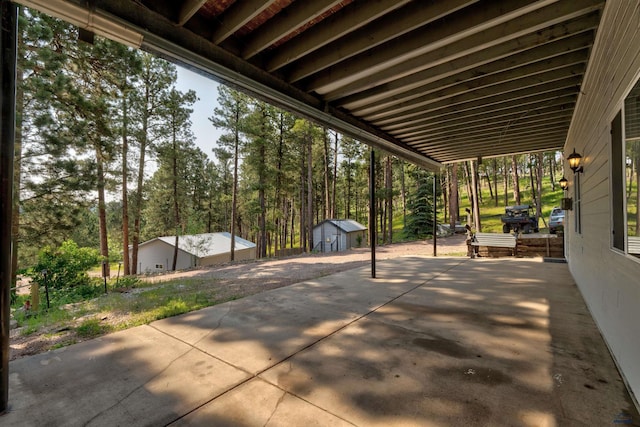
point(430, 342)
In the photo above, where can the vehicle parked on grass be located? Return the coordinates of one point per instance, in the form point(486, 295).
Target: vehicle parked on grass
point(518, 219)
point(556, 220)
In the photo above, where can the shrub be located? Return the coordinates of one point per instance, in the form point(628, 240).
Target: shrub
point(91, 328)
point(65, 267)
point(127, 282)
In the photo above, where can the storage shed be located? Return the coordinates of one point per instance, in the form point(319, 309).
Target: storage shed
point(334, 235)
point(197, 250)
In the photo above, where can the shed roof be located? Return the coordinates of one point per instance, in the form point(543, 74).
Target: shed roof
point(207, 244)
point(346, 225)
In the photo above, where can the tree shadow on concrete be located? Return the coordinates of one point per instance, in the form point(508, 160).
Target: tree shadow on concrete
point(430, 342)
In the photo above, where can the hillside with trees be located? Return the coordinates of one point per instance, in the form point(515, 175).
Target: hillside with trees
point(106, 158)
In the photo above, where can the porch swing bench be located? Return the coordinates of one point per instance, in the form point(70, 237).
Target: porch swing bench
point(492, 240)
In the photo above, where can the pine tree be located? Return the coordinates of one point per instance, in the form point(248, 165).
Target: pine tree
point(156, 79)
point(55, 183)
point(230, 117)
point(420, 206)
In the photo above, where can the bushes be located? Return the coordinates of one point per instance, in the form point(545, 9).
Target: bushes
point(64, 271)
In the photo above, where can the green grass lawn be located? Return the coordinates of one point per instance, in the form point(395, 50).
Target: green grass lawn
point(489, 213)
point(144, 302)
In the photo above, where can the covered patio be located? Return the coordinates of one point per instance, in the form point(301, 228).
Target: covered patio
point(435, 342)
point(431, 342)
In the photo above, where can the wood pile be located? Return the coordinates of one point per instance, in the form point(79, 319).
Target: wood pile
point(551, 246)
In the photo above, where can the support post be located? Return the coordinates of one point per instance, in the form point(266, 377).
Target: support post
point(8, 56)
point(435, 211)
point(372, 210)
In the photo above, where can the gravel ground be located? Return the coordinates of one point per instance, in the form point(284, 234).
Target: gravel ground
point(247, 278)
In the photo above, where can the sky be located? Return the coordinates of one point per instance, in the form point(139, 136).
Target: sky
point(207, 92)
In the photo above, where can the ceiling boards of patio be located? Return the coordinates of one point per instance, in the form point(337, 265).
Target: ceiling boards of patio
point(432, 81)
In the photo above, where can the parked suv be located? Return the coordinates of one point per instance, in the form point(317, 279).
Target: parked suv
point(556, 220)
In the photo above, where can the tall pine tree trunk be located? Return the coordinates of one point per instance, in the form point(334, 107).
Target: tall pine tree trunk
point(467, 177)
point(281, 221)
point(262, 219)
point(327, 188)
point(488, 178)
point(516, 181)
point(539, 186)
point(334, 205)
point(389, 198)
point(102, 211)
point(476, 204)
point(637, 167)
point(17, 167)
point(505, 181)
point(310, 192)
point(176, 203)
point(137, 209)
point(444, 184)
point(403, 190)
point(552, 171)
point(531, 178)
point(348, 189)
point(125, 200)
point(454, 197)
point(234, 190)
point(494, 164)
point(303, 198)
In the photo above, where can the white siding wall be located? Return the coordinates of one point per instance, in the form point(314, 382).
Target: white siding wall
point(608, 280)
point(158, 252)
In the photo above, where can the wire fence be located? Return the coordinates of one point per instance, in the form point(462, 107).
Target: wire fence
point(17, 289)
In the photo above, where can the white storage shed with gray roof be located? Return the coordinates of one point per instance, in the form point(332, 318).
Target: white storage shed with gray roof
point(333, 235)
point(193, 251)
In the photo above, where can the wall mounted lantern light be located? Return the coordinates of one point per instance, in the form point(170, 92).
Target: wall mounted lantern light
point(564, 184)
point(567, 202)
point(574, 162)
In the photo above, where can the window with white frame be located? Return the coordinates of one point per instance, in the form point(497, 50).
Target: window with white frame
point(625, 177)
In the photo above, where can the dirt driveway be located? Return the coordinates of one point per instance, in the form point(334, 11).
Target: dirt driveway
point(238, 280)
point(307, 266)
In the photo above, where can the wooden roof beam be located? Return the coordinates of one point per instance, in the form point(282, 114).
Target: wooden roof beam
point(391, 26)
point(511, 111)
point(188, 9)
point(461, 94)
point(471, 52)
point(292, 18)
point(237, 16)
point(352, 17)
point(552, 144)
point(531, 74)
point(469, 102)
point(540, 124)
point(518, 118)
point(523, 146)
point(412, 86)
point(478, 143)
point(467, 22)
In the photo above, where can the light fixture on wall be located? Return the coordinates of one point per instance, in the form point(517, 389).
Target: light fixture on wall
point(564, 184)
point(566, 203)
point(574, 162)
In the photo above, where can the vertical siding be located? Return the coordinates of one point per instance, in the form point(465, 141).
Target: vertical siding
point(608, 279)
point(338, 239)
